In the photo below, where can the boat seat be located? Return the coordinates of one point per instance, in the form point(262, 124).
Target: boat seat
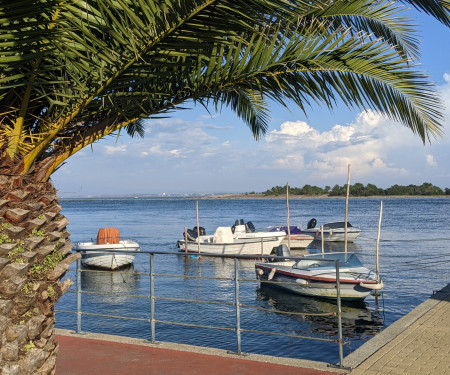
point(108, 236)
point(223, 235)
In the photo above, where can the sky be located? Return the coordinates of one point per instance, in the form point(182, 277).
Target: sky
point(200, 152)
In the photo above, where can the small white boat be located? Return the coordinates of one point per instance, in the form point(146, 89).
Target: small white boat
point(315, 275)
point(297, 239)
point(333, 231)
point(242, 230)
point(225, 242)
point(109, 251)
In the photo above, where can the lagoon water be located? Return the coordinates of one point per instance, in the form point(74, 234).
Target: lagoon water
point(414, 262)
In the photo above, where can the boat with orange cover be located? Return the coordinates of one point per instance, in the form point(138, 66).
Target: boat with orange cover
point(108, 251)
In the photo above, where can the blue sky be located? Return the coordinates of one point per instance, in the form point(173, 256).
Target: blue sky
point(199, 152)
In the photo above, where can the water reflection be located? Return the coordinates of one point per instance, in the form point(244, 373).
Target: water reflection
point(316, 246)
point(124, 281)
point(358, 321)
point(220, 267)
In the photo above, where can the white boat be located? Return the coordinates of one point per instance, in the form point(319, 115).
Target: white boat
point(333, 231)
point(225, 242)
point(315, 275)
point(242, 230)
point(109, 251)
point(297, 238)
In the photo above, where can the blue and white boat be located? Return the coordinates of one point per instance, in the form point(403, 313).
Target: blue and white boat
point(315, 275)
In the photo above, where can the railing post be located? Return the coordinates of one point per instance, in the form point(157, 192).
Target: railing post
point(238, 311)
point(152, 300)
point(78, 296)
point(338, 291)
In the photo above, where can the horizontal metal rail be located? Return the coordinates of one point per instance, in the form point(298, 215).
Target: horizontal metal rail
point(237, 305)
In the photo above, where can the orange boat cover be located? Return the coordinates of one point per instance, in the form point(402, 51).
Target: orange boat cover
point(108, 235)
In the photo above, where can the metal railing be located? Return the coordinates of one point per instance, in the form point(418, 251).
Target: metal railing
point(237, 304)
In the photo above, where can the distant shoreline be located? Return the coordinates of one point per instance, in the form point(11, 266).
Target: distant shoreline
point(324, 196)
point(247, 196)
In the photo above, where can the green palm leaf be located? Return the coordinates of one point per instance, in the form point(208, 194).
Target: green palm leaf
point(73, 72)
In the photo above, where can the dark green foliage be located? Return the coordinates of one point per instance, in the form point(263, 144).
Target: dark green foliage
point(359, 190)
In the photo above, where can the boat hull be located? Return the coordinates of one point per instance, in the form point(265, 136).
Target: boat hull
point(298, 242)
point(108, 256)
point(316, 276)
point(333, 235)
point(350, 292)
point(238, 247)
point(107, 261)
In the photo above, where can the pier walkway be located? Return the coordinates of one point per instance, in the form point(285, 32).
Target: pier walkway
point(417, 344)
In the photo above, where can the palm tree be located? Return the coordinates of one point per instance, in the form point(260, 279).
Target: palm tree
point(74, 71)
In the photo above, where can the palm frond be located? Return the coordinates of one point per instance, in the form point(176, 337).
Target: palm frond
point(92, 67)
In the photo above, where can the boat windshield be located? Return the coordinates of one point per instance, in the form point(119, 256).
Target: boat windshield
point(336, 225)
point(346, 260)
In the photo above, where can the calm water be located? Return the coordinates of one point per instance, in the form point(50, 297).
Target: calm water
point(415, 261)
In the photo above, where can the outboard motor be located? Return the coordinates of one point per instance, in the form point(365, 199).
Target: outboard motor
point(280, 251)
point(191, 234)
point(238, 223)
point(311, 224)
point(250, 227)
point(200, 232)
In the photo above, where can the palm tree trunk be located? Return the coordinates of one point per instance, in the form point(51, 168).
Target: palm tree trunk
point(35, 252)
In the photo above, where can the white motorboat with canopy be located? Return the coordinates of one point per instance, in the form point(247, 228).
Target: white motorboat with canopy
point(333, 231)
point(108, 251)
point(315, 275)
point(240, 239)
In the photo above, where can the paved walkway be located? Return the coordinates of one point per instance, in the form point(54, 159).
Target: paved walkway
point(417, 344)
point(103, 356)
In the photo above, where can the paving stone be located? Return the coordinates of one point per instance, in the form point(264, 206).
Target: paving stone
point(420, 349)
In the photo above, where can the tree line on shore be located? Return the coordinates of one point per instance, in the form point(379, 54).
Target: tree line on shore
point(359, 190)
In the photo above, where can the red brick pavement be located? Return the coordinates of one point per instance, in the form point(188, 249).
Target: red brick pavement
point(83, 356)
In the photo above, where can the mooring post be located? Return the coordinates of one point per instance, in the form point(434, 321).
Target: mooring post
point(78, 296)
point(338, 292)
point(238, 311)
point(152, 300)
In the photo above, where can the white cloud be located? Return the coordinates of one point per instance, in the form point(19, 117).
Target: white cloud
point(446, 77)
point(371, 143)
point(430, 160)
point(111, 150)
